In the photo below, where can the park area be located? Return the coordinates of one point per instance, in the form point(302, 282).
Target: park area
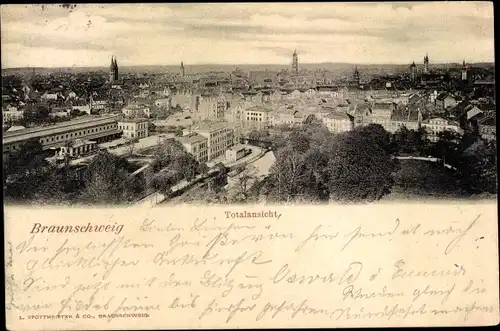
point(418, 180)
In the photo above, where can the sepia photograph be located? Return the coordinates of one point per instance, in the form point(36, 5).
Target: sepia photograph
point(224, 165)
point(169, 104)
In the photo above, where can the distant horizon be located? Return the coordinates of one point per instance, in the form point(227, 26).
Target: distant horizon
point(249, 64)
point(87, 35)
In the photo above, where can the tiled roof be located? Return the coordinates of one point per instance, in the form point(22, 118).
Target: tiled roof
point(405, 115)
point(211, 126)
point(259, 109)
point(338, 116)
point(191, 139)
point(76, 124)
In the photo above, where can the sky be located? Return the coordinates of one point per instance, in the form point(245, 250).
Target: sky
point(246, 33)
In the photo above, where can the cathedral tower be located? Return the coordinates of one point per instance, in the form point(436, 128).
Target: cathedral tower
point(295, 63)
point(413, 71)
point(355, 76)
point(464, 71)
point(426, 64)
point(113, 70)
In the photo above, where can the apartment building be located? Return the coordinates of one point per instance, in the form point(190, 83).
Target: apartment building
point(257, 117)
point(339, 122)
point(196, 145)
point(136, 110)
point(434, 126)
point(12, 114)
point(219, 137)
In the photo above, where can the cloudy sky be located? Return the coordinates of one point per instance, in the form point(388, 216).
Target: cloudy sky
point(145, 34)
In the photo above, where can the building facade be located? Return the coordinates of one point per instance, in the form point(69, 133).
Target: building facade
point(196, 145)
point(136, 110)
point(134, 128)
point(219, 138)
point(12, 114)
point(257, 117)
point(235, 153)
point(77, 148)
point(96, 128)
point(434, 126)
point(338, 122)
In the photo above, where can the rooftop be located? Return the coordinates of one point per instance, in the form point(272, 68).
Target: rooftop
point(405, 115)
point(211, 126)
point(338, 116)
point(237, 148)
point(191, 138)
point(41, 131)
point(259, 109)
point(133, 120)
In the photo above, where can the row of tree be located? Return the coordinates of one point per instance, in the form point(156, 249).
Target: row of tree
point(313, 164)
point(28, 177)
point(316, 165)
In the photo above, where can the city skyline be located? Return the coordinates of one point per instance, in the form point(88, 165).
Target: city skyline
point(246, 34)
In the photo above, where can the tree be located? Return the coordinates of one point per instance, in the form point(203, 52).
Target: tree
point(37, 113)
point(448, 147)
point(299, 141)
point(203, 169)
point(131, 145)
point(246, 177)
point(163, 181)
point(287, 174)
point(186, 165)
point(217, 182)
point(362, 166)
point(477, 168)
point(107, 180)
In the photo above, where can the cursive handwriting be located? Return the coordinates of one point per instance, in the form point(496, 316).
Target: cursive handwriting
point(225, 271)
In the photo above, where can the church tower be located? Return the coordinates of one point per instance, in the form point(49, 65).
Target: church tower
point(113, 70)
point(117, 77)
point(426, 64)
point(355, 76)
point(464, 71)
point(182, 68)
point(295, 63)
point(413, 71)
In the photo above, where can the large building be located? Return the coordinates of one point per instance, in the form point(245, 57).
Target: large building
point(339, 122)
point(96, 128)
point(12, 114)
point(136, 110)
point(196, 145)
point(257, 117)
point(212, 106)
point(219, 138)
point(434, 126)
point(134, 128)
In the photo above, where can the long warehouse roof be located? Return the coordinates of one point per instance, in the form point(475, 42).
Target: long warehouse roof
point(37, 132)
